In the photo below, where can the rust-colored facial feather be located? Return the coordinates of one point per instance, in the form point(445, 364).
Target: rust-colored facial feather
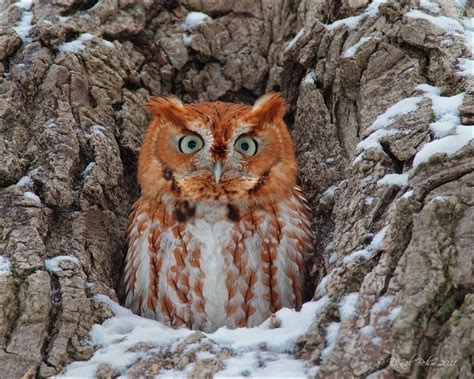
point(267, 176)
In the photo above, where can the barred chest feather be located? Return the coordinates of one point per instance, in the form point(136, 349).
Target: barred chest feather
point(209, 264)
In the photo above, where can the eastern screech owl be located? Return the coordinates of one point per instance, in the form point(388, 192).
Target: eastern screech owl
point(219, 234)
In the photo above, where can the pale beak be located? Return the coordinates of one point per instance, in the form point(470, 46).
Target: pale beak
point(217, 171)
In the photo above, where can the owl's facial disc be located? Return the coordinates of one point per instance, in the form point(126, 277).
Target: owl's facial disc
point(222, 151)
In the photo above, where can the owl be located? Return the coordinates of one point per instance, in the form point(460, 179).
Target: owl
point(220, 232)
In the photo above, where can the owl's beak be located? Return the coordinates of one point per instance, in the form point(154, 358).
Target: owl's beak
point(217, 171)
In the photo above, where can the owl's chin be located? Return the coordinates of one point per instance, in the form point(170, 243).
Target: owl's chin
point(229, 188)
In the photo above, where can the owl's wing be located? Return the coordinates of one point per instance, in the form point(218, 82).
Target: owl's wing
point(142, 263)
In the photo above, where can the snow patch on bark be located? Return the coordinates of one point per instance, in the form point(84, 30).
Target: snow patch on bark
point(5, 265)
point(54, 264)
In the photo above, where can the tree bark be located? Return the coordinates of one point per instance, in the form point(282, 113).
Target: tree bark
point(75, 75)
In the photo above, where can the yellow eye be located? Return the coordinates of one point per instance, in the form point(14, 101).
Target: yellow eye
point(246, 145)
point(190, 144)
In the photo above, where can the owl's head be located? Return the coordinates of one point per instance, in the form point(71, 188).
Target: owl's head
point(221, 151)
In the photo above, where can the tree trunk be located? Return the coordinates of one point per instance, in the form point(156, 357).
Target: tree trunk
point(393, 219)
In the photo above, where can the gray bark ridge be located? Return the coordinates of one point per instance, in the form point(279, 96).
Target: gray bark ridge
point(393, 224)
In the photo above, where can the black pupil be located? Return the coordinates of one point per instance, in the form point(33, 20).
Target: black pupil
point(244, 146)
point(192, 144)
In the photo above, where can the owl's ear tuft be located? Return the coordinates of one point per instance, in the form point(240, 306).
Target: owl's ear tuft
point(269, 107)
point(169, 108)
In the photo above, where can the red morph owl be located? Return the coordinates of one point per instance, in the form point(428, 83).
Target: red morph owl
point(219, 234)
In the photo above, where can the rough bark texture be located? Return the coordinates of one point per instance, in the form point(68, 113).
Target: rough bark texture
point(71, 124)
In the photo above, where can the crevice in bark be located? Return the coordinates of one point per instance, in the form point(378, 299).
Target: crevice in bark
point(398, 164)
point(54, 316)
point(79, 6)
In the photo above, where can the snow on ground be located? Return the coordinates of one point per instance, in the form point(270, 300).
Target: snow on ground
point(119, 333)
point(353, 22)
point(5, 265)
point(193, 19)
point(54, 264)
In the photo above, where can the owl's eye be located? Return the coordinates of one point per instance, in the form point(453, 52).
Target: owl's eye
point(190, 144)
point(246, 145)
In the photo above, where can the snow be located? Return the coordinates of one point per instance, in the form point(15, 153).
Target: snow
point(367, 330)
point(429, 6)
point(408, 194)
point(466, 66)
point(447, 145)
point(461, 3)
point(348, 306)
point(468, 24)
point(369, 200)
point(24, 26)
point(24, 4)
point(373, 141)
point(89, 168)
point(332, 332)
point(310, 78)
point(53, 265)
point(76, 45)
point(50, 124)
point(97, 129)
point(382, 304)
point(122, 331)
point(282, 339)
point(377, 341)
point(394, 313)
point(369, 251)
point(330, 191)
point(275, 366)
point(446, 23)
point(403, 107)
point(24, 181)
point(33, 197)
point(321, 288)
point(5, 265)
point(400, 180)
point(193, 19)
point(447, 128)
point(440, 198)
point(353, 49)
point(187, 39)
point(353, 22)
point(293, 41)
